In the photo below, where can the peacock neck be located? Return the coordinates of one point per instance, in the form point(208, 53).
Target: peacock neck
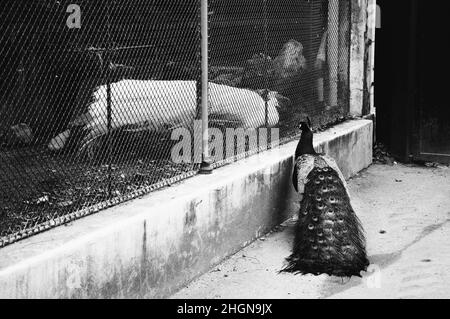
point(305, 146)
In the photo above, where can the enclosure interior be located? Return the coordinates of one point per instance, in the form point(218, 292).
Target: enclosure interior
point(89, 106)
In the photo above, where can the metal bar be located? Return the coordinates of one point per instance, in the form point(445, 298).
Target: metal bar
point(206, 167)
point(266, 73)
point(108, 96)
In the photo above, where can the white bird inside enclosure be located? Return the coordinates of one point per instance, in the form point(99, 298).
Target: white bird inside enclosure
point(161, 104)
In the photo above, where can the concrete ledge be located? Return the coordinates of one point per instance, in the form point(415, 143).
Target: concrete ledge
point(150, 247)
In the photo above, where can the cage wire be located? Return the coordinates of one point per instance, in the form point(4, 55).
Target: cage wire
point(88, 113)
point(293, 54)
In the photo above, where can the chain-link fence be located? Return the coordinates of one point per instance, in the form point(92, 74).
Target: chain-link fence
point(99, 98)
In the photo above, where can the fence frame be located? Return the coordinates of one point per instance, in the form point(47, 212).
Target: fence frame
point(358, 25)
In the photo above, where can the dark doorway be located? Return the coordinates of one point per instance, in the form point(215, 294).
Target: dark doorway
point(413, 109)
point(433, 117)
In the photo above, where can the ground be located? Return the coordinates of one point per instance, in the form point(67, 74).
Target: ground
point(405, 211)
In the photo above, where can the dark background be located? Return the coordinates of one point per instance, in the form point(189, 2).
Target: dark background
point(413, 113)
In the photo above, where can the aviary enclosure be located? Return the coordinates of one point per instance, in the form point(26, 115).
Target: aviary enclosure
point(91, 92)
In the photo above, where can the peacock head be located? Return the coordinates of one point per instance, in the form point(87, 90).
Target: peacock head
point(305, 126)
point(305, 145)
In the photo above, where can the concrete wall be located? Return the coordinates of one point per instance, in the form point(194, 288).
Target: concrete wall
point(371, 32)
point(150, 247)
point(357, 55)
point(362, 57)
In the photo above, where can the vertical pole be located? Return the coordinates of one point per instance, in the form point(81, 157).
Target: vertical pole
point(266, 64)
point(206, 167)
point(108, 96)
point(333, 50)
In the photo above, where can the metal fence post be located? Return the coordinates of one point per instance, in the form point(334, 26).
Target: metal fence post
point(107, 74)
point(206, 165)
point(266, 64)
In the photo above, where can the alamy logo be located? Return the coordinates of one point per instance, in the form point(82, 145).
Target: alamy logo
point(74, 19)
point(221, 146)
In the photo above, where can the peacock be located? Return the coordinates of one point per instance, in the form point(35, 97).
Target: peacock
point(329, 238)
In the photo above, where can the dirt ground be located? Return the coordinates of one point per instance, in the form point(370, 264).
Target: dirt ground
point(405, 211)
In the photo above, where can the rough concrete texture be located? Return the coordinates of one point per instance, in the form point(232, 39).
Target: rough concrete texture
point(357, 52)
point(405, 211)
point(147, 248)
point(152, 246)
point(352, 151)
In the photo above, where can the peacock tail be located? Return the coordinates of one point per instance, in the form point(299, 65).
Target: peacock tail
point(329, 238)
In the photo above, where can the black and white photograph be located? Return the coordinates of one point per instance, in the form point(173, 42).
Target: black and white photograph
point(239, 151)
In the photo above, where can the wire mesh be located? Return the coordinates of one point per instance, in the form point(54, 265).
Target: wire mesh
point(293, 54)
point(89, 111)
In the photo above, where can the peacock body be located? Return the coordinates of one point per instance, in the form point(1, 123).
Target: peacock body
point(329, 237)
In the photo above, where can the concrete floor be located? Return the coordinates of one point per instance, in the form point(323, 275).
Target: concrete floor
point(405, 211)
